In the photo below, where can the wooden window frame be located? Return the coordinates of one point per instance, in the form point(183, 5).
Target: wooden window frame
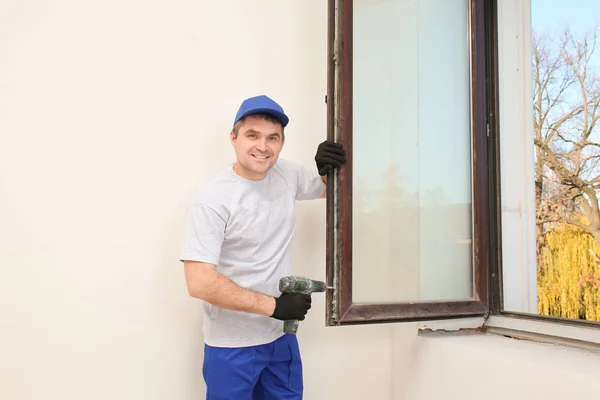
point(524, 321)
point(487, 246)
point(340, 307)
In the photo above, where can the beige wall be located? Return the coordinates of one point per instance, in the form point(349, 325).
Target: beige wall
point(491, 367)
point(111, 115)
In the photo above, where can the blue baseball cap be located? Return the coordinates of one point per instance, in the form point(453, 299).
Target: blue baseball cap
point(261, 104)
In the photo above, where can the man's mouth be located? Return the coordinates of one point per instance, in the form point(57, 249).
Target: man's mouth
point(260, 157)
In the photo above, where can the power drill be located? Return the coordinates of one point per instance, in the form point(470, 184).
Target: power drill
point(296, 284)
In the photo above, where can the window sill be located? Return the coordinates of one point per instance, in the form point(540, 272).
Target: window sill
point(544, 331)
point(452, 325)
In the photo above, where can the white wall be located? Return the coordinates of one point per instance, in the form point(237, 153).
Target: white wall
point(111, 115)
point(492, 367)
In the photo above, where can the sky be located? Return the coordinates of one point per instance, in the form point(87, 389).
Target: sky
point(548, 14)
point(581, 15)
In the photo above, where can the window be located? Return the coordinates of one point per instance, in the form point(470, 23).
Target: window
point(551, 271)
point(409, 216)
point(436, 216)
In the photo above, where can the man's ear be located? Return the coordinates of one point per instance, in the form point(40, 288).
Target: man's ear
point(232, 138)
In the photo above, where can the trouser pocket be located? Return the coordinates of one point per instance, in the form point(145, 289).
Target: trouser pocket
point(295, 374)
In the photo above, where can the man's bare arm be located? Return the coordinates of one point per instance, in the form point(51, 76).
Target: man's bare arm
point(324, 179)
point(204, 282)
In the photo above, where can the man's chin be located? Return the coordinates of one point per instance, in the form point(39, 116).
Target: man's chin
point(265, 164)
point(258, 168)
point(261, 169)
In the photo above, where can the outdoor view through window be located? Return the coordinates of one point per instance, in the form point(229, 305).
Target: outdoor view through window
point(566, 109)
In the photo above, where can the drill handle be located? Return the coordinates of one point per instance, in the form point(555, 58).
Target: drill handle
point(291, 326)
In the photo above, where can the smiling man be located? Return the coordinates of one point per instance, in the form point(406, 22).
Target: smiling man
point(237, 246)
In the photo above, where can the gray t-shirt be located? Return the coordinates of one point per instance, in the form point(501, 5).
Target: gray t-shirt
point(245, 228)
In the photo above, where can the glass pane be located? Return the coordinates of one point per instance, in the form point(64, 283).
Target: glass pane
point(412, 225)
point(549, 103)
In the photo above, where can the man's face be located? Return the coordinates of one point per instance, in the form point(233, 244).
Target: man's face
point(257, 147)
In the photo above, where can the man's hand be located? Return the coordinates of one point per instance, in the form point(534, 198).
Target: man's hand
point(329, 155)
point(290, 306)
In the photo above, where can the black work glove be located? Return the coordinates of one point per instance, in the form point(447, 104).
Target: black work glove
point(290, 306)
point(329, 155)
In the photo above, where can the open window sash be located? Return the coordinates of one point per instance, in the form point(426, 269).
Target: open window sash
point(341, 307)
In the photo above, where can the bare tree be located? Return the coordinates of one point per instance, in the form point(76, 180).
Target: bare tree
point(566, 105)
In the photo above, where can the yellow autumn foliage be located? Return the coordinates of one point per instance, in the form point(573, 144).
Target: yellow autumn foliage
point(568, 275)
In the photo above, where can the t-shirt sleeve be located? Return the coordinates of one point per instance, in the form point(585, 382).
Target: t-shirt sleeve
point(310, 184)
point(204, 233)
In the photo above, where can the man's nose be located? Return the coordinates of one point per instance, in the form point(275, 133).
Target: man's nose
point(262, 145)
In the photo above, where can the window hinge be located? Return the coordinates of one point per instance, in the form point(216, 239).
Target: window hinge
point(488, 130)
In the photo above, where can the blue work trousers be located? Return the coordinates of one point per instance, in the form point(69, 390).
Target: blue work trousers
point(271, 371)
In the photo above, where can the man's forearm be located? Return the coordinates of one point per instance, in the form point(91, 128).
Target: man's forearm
point(324, 179)
point(223, 292)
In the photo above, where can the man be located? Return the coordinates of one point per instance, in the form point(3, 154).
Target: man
point(237, 246)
